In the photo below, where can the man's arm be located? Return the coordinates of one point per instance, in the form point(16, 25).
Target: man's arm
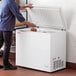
point(15, 11)
point(33, 26)
point(28, 23)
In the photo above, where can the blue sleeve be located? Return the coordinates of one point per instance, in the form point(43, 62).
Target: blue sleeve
point(14, 8)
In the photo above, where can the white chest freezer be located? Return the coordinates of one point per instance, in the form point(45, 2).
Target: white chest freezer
point(45, 49)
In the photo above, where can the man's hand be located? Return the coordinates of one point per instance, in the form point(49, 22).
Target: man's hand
point(34, 29)
point(26, 6)
point(29, 5)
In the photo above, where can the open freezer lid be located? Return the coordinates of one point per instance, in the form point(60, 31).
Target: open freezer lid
point(47, 17)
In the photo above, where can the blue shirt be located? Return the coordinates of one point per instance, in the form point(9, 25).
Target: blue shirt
point(9, 10)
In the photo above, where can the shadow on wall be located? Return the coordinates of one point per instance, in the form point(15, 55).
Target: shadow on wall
point(69, 16)
point(70, 39)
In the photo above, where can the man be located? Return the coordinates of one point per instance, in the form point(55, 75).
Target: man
point(8, 12)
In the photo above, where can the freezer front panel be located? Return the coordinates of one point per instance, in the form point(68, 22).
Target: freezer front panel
point(33, 50)
point(41, 50)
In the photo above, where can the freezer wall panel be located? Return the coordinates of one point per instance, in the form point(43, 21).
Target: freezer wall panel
point(19, 48)
point(58, 53)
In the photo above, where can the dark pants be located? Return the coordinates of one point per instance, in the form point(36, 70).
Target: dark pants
point(6, 38)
